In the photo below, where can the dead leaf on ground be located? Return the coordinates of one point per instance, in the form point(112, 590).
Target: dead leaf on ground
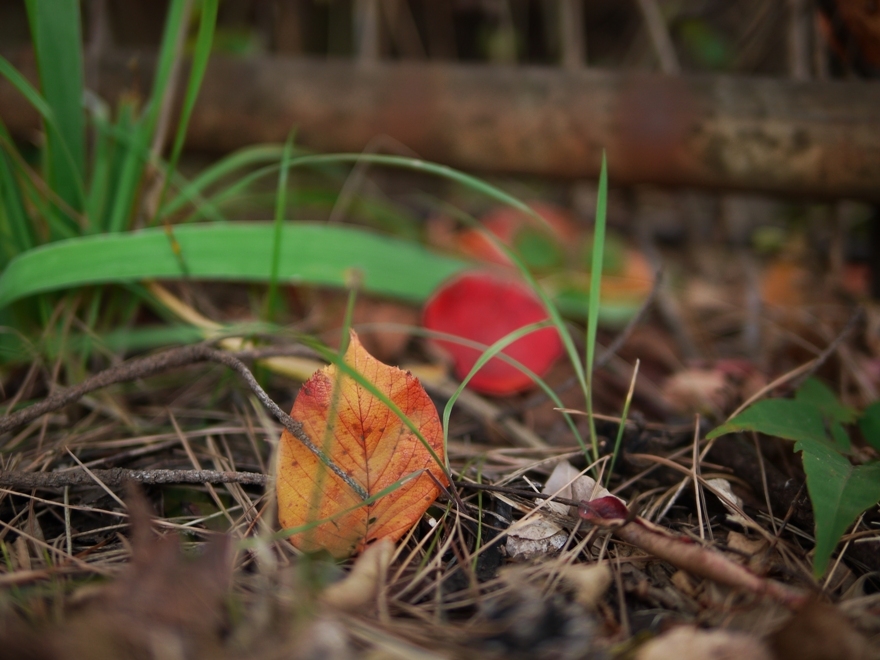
point(590, 581)
point(360, 587)
point(705, 391)
point(363, 437)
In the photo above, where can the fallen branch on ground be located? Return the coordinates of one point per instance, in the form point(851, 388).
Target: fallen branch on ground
point(610, 513)
point(165, 361)
point(116, 477)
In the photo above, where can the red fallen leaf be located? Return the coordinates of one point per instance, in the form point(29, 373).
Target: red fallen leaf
point(484, 307)
point(509, 225)
point(370, 443)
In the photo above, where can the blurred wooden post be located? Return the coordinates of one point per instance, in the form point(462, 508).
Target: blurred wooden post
point(287, 28)
point(660, 39)
point(572, 36)
point(366, 31)
point(799, 39)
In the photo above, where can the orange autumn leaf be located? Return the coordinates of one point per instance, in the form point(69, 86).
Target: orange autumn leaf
point(371, 444)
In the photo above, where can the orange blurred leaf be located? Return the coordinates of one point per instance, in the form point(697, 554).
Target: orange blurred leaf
point(370, 443)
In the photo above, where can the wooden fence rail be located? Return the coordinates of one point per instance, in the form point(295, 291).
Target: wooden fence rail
point(820, 139)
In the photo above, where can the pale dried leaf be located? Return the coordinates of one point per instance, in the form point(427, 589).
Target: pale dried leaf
point(689, 643)
point(590, 582)
point(360, 587)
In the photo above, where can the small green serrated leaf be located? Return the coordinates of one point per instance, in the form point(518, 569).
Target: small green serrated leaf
point(839, 491)
point(869, 424)
point(781, 418)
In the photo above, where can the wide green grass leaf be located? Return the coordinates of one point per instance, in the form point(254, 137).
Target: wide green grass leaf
point(143, 130)
point(310, 253)
point(199, 65)
point(55, 27)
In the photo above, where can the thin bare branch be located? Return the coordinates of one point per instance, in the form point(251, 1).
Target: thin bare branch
point(159, 363)
point(117, 477)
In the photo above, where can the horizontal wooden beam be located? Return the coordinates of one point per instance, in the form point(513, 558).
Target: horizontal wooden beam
point(815, 139)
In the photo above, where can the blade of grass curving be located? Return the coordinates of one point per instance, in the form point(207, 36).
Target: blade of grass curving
point(100, 175)
point(201, 54)
point(194, 192)
point(477, 185)
point(280, 208)
point(211, 204)
point(496, 350)
point(478, 541)
point(27, 90)
point(489, 191)
point(540, 382)
point(176, 26)
point(311, 253)
point(598, 254)
point(56, 33)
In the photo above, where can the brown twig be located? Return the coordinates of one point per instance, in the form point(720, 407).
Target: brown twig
point(165, 361)
point(117, 477)
point(609, 513)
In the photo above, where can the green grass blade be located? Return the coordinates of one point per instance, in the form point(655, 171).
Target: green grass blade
point(101, 174)
point(172, 41)
point(27, 90)
point(142, 131)
point(197, 73)
point(595, 289)
point(278, 225)
point(620, 429)
point(311, 253)
point(194, 192)
point(480, 187)
point(60, 225)
point(18, 230)
point(55, 28)
point(495, 351)
point(131, 152)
